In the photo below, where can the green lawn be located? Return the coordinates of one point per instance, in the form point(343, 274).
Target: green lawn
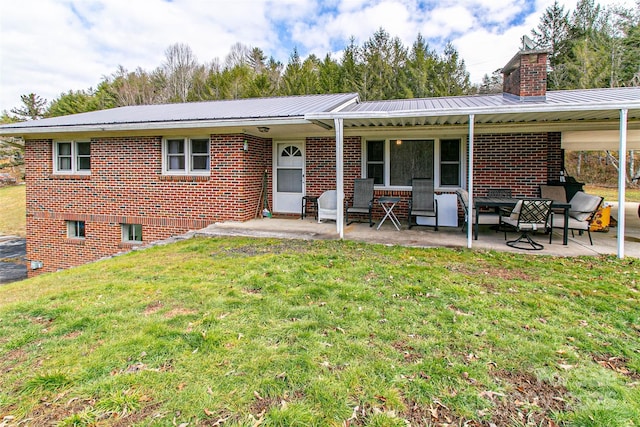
point(12, 210)
point(243, 332)
point(611, 194)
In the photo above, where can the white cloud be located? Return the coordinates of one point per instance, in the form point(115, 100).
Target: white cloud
point(49, 46)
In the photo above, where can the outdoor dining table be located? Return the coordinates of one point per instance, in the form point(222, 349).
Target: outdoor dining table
point(510, 202)
point(388, 203)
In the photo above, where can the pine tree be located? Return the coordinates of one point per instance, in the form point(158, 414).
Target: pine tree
point(33, 107)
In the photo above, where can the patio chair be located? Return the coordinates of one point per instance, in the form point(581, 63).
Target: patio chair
point(484, 217)
point(581, 214)
point(556, 193)
point(528, 216)
point(362, 201)
point(423, 201)
point(328, 205)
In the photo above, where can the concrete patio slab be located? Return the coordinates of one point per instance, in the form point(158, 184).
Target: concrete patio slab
point(604, 243)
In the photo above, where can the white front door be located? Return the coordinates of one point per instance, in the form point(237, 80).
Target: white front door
point(288, 177)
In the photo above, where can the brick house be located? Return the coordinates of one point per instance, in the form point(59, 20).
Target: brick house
point(103, 182)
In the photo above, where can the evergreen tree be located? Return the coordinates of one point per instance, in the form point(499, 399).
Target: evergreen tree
point(351, 69)
point(329, 76)
point(73, 102)
point(420, 70)
point(33, 107)
point(453, 78)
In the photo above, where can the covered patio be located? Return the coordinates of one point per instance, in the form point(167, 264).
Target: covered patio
point(586, 120)
point(604, 243)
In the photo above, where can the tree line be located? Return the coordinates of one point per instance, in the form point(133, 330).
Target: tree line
point(590, 47)
point(381, 68)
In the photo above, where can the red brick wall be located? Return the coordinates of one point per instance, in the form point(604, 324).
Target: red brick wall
point(321, 164)
point(127, 186)
point(517, 161)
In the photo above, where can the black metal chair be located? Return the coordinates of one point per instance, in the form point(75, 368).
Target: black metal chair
point(423, 201)
point(528, 216)
point(362, 201)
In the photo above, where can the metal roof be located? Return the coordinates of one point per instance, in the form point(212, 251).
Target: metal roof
point(565, 105)
point(219, 111)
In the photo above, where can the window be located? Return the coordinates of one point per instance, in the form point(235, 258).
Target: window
point(186, 156)
point(410, 159)
point(72, 157)
point(75, 229)
point(375, 161)
point(450, 162)
point(394, 162)
point(131, 233)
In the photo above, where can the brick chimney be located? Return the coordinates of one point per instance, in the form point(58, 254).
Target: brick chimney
point(525, 76)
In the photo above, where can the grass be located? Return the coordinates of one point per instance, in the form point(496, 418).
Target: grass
point(611, 194)
point(236, 332)
point(12, 214)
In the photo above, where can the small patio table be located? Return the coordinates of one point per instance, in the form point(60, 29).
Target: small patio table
point(388, 203)
point(509, 202)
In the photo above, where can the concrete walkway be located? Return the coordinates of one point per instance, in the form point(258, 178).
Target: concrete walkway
point(12, 259)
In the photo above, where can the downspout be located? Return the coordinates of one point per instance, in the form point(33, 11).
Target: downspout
point(622, 171)
point(340, 176)
point(472, 119)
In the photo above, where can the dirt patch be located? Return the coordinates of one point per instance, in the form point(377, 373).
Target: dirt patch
point(527, 401)
point(261, 405)
point(482, 269)
point(254, 250)
point(153, 308)
point(436, 414)
point(617, 364)
point(51, 413)
point(144, 414)
point(408, 352)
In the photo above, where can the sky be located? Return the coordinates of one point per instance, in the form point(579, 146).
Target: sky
point(49, 47)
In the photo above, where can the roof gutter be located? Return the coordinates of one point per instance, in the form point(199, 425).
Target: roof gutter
point(150, 126)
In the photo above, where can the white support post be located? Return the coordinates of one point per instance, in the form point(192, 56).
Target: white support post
point(340, 175)
point(622, 172)
point(470, 218)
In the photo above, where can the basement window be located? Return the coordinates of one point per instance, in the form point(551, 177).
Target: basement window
point(72, 157)
point(132, 233)
point(186, 156)
point(75, 229)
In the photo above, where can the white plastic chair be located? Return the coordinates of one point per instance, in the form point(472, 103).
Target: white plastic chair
point(328, 205)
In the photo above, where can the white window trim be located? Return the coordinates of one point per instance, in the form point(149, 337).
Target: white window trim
point(188, 155)
point(125, 233)
point(436, 160)
point(74, 158)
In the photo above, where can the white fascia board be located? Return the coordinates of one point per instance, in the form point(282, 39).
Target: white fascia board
point(502, 109)
point(151, 126)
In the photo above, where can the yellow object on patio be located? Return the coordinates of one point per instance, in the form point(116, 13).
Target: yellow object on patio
point(602, 219)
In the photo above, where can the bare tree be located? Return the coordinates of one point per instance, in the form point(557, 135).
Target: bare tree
point(179, 68)
point(238, 56)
